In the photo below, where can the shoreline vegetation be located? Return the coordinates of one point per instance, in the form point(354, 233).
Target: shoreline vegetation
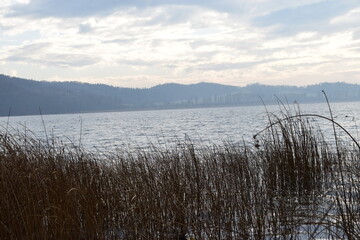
point(292, 183)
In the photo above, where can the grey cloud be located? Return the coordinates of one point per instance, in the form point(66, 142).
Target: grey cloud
point(172, 15)
point(351, 76)
point(259, 51)
point(198, 43)
point(121, 40)
point(152, 63)
point(228, 66)
point(64, 8)
point(157, 42)
point(34, 48)
point(236, 44)
point(81, 8)
point(59, 60)
point(17, 58)
point(286, 67)
point(241, 65)
point(77, 46)
point(70, 60)
point(26, 51)
point(152, 42)
point(85, 28)
point(3, 27)
point(310, 17)
point(29, 52)
point(355, 49)
point(356, 35)
point(206, 55)
point(170, 66)
point(139, 62)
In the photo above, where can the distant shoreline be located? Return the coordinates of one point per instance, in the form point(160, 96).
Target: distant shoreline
point(173, 108)
point(22, 97)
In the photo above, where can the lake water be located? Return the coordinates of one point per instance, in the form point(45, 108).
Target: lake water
point(140, 129)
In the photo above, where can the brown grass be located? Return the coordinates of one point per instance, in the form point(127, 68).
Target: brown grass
point(291, 185)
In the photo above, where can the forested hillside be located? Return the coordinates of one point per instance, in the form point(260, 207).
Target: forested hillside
point(25, 97)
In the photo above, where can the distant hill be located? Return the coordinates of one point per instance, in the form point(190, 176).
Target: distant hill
point(27, 97)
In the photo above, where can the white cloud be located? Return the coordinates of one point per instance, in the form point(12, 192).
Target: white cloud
point(186, 43)
point(351, 17)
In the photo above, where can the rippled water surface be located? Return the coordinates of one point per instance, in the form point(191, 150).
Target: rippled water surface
point(140, 129)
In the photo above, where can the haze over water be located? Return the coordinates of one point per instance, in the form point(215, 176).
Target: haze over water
point(141, 129)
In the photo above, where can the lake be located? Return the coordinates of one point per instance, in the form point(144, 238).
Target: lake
point(113, 131)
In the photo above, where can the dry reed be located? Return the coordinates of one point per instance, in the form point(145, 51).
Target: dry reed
point(291, 185)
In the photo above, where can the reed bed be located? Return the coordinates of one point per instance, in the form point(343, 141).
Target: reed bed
point(291, 184)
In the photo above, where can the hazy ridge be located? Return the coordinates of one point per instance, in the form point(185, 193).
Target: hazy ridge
point(26, 97)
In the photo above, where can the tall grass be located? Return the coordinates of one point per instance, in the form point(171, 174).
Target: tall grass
point(291, 185)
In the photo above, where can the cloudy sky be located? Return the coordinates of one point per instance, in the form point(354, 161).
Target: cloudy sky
point(142, 43)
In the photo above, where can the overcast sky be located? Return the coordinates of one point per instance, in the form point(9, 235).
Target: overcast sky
point(142, 43)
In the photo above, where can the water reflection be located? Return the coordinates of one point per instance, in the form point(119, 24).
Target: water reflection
point(116, 130)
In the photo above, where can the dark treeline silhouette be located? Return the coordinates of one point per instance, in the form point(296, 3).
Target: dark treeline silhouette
point(26, 97)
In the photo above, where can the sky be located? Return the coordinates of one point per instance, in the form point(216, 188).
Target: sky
point(143, 43)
